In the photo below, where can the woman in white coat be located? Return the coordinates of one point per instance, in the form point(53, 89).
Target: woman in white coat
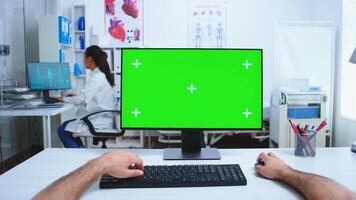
point(97, 95)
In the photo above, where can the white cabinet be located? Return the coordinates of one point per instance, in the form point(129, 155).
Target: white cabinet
point(114, 60)
point(303, 108)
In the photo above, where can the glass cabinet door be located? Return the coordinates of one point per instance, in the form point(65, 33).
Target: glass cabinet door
point(13, 131)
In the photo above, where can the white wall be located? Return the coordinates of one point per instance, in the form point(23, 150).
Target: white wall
point(345, 126)
point(66, 6)
point(344, 15)
point(249, 24)
point(33, 10)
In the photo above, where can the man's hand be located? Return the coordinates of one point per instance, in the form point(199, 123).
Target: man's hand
point(60, 99)
point(121, 164)
point(270, 166)
point(71, 186)
point(71, 94)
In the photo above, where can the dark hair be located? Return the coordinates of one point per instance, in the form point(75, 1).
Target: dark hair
point(100, 59)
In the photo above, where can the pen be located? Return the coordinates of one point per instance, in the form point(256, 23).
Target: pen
point(299, 130)
point(293, 126)
point(322, 125)
point(312, 134)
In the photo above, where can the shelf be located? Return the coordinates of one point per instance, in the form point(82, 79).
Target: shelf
point(81, 76)
point(77, 12)
point(79, 6)
point(15, 89)
point(65, 45)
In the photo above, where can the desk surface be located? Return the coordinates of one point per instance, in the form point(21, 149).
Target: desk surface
point(25, 180)
point(35, 112)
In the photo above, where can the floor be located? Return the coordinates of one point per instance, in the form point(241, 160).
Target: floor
point(19, 158)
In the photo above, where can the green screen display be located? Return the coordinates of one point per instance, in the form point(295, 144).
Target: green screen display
point(191, 88)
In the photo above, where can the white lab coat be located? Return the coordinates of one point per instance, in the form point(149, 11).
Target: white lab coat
point(96, 96)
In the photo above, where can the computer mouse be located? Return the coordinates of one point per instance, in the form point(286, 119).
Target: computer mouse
point(353, 147)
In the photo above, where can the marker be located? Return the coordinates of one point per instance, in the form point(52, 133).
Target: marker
point(299, 129)
point(322, 125)
point(293, 126)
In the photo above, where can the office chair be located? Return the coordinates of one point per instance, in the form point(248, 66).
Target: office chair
point(101, 135)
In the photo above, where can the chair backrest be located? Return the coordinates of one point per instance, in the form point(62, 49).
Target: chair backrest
point(117, 119)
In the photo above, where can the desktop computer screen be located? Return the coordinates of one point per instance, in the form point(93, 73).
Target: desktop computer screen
point(191, 89)
point(48, 76)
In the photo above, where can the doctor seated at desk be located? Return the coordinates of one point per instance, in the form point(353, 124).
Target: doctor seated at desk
point(97, 95)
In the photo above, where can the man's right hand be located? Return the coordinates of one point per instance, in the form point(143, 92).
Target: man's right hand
point(119, 164)
point(60, 99)
point(270, 166)
point(71, 94)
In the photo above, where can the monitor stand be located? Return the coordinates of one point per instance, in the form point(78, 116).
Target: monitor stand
point(47, 98)
point(192, 143)
point(45, 94)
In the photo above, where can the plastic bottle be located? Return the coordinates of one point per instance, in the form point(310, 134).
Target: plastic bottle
point(81, 23)
point(77, 70)
point(82, 42)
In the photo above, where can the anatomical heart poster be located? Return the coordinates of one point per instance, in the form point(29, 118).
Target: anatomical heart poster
point(124, 22)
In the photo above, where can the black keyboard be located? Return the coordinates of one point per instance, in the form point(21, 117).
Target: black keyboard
point(180, 176)
point(51, 105)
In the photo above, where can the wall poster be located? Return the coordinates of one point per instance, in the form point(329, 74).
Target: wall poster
point(124, 22)
point(207, 23)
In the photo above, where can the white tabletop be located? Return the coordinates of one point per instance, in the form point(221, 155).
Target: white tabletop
point(25, 180)
point(35, 112)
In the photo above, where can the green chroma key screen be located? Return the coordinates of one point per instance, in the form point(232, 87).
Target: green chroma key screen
point(191, 89)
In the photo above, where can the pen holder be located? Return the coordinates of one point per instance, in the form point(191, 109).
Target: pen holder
point(305, 144)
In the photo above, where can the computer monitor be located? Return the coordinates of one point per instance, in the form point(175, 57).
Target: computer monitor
point(48, 76)
point(191, 90)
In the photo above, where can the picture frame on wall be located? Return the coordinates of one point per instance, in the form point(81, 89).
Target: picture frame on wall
point(124, 22)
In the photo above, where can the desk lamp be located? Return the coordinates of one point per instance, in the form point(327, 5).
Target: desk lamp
point(353, 60)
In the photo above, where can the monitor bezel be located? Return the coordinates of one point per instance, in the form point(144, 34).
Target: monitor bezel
point(178, 129)
point(48, 63)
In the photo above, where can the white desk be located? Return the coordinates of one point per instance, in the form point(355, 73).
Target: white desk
point(25, 180)
point(45, 113)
